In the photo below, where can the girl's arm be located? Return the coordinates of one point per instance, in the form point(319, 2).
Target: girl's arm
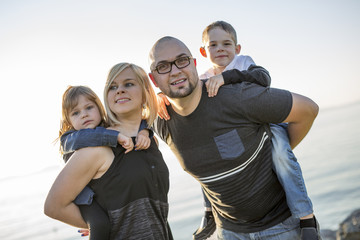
point(74, 140)
point(84, 165)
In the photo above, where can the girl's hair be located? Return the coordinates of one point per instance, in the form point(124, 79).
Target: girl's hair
point(219, 24)
point(70, 99)
point(149, 108)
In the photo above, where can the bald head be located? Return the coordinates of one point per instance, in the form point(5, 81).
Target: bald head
point(162, 45)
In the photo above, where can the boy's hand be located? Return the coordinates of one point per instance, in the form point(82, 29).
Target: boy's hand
point(162, 102)
point(84, 232)
point(142, 140)
point(125, 142)
point(213, 84)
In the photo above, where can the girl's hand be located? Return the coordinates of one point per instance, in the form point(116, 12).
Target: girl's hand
point(84, 232)
point(142, 140)
point(213, 84)
point(125, 142)
point(162, 102)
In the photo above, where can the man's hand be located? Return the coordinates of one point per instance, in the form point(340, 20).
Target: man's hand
point(125, 142)
point(213, 84)
point(162, 102)
point(142, 140)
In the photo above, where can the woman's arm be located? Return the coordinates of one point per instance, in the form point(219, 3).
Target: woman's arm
point(83, 165)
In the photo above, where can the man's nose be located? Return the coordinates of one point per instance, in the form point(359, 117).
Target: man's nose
point(174, 69)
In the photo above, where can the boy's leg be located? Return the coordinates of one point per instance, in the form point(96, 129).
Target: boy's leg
point(289, 173)
point(290, 176)
point(207, 225)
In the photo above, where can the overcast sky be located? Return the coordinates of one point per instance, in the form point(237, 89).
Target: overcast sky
point(309, 47)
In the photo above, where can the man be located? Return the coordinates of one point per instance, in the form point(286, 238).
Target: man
point(224, 142)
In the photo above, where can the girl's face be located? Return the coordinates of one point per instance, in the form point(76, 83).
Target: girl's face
point(125, 94)
point(85, 114)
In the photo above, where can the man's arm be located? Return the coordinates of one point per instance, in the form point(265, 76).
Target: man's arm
point(301, 117)
point(99, 136)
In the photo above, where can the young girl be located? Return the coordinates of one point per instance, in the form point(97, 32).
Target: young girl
point(82, 109)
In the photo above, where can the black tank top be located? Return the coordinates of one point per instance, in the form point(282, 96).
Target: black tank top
point(134, 192)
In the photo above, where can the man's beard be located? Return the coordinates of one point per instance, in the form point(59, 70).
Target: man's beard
point(182, 92)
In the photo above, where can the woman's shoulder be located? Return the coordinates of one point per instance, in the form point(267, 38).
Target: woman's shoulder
point(91, 154)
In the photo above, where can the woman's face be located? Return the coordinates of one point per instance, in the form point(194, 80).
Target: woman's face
point(125, 94)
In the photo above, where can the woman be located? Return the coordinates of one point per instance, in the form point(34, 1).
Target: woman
point(132, 188)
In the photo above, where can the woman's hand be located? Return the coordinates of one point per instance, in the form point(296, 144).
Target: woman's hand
point(163, 102)
point(84, 232)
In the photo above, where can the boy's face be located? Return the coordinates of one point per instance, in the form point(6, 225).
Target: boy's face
point(220, 48)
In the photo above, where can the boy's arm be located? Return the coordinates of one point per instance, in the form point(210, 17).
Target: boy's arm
point(254, 74)
point(74, 140)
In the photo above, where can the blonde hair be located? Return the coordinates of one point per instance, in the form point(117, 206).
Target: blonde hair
point(219, 24)
point(70, 99)
point(149, 109)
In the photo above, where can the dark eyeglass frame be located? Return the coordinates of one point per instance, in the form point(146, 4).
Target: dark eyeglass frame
point(174, 63)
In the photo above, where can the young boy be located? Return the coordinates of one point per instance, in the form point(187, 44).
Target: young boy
point(220, 46)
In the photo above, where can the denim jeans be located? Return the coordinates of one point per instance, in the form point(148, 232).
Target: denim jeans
point(286, 230)
point(289, 172)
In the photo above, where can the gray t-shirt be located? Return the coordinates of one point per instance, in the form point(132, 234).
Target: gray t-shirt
point(224, 144)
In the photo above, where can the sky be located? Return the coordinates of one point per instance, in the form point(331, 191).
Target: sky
point(309, 47)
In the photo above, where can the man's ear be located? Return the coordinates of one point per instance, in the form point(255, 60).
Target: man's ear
point(237, 49)
point(194, 61)
point(203, 52)
point(152, 79)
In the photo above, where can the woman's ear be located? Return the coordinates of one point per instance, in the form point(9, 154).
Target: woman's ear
point(203, 52)
point(151, 76)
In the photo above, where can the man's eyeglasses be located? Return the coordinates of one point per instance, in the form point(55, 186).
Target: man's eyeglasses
point(165, 67)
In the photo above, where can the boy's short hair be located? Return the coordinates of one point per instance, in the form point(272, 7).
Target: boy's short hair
point(220, 24)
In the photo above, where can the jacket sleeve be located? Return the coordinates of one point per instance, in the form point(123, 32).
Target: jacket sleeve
point(254, 74)
point(74, 140)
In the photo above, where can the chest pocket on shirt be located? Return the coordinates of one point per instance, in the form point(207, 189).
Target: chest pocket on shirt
point(229, 145)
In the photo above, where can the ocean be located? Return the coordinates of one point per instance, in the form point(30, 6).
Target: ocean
point(329, 157)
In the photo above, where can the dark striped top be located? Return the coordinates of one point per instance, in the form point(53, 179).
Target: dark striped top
point(224, 144)
point(134, 193)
